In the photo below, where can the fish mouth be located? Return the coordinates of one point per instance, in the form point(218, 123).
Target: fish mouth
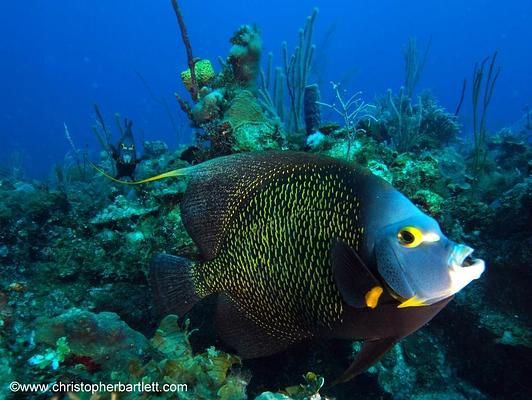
point(463, 268)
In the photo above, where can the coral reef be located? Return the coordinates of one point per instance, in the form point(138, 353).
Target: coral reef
point(90, 244)
point(106, 347)
point(209, 374)
point(209, 108)
point(75, 304)
point(101, 341)
point(404, 374)
point(480, 130)
point(226, 109)
point(308, 390)
point(6, 372)
point(297, 68)
point(251, 129)
point(412, 127)
point(244, 56)
point(353, 111)
point(53, 357)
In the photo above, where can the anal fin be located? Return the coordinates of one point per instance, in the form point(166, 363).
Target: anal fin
point(241, 333)
point(371, 352)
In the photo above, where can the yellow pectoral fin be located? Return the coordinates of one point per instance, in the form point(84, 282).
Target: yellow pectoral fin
point(175, 172)
point(412, 302)
point(372, 296)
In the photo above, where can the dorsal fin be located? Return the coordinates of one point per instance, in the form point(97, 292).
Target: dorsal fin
point(169, 174)
point(218, 188)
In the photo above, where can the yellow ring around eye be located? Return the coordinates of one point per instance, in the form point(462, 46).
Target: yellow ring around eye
point(410, 236)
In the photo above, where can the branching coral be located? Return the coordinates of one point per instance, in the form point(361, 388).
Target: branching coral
point(412, 127)
point(295, 74)
point(352, 111)
point(297, 70)
point(479, 126)
point(408, 121)
point(413, 65)
point(190, 58)
point(438, 127)
point(271, 90)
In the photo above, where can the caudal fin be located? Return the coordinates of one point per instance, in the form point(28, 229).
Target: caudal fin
point(170, 279)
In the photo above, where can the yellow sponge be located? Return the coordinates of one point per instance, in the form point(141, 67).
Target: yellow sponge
point(204, 73)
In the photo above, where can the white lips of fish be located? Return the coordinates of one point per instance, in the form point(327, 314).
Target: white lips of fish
point(462, 271)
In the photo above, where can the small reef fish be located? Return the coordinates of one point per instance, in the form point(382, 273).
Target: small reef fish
point(302, 247)
point(125, 154)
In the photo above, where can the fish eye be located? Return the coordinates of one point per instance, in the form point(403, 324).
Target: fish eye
point(123, 146)
point(410, 236)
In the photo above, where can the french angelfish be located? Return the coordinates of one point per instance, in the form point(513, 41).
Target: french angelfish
point(302, 247)
point(125, 153)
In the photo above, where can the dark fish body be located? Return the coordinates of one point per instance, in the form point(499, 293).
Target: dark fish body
point(273, 259)
point(299, 246)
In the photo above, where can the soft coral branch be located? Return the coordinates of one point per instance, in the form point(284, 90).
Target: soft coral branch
point(188, 47)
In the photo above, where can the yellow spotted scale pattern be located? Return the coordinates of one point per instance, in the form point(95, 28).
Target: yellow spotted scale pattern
point(273, 259)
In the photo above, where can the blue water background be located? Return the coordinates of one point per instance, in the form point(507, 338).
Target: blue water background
point(57, 58)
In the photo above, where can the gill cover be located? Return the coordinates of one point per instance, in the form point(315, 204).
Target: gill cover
point(420, 265)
